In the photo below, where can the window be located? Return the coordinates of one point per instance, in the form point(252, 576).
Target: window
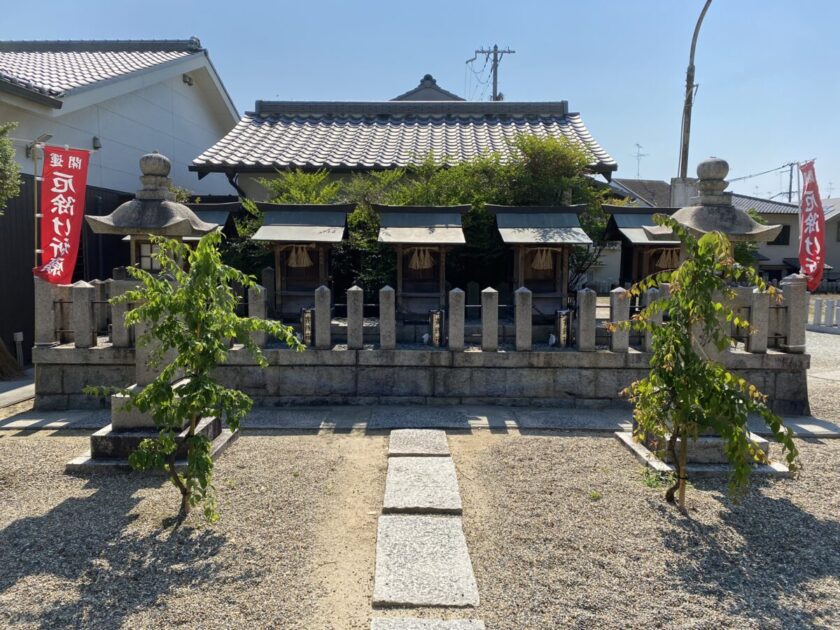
point(783, 238)
point(147, 262)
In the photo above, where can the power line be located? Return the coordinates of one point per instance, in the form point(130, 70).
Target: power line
point(495, 55)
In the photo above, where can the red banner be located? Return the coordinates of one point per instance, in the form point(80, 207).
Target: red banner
point(811, 228)
point(64, 179)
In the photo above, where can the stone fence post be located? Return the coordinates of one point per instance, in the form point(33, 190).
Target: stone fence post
point(796, 298)
point(81, 315)
point(818, 306)
point(489, 320)
point(522, 321)
point(456, 319)
point(268, 280)
point(586, 320)
point(830, 319)
point(44, 313)
point(355, 318)
point(322, 318)
point(619, 312)
point(387, 318)
point(100, 308)
point(651, 295)
point(759, 322)
point(121, 337)
point(258, 309)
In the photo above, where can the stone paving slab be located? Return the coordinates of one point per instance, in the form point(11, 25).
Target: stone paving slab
point(421, 485)
point(77, 419)
point(422, 561)
point(418, 442)
point(18, 390)
point(384, 418)
point(411, 623)
point(609, 420)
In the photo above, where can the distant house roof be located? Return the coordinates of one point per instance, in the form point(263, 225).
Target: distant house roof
point(302, 223)
point(353, 136)
point(49, 71)
point(628, 222)
point(428, 90)
point(655, 193)
point(421, 225)
point(831, 207)
point(523, 225)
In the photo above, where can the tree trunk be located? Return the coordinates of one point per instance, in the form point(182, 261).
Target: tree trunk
point(681, 469)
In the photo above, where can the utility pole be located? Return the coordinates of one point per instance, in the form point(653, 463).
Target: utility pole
point(496, 56)
point(689, 97)
point(790, 184)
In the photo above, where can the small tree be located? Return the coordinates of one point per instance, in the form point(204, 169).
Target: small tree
point(9, 169)
point(191, 312)
point(687, 391)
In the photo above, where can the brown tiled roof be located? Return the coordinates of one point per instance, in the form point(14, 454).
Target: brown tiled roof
point(53, 69)
point(379, 135)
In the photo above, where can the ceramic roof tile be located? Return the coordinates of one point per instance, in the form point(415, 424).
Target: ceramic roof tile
point(353, 136)
point(56, 68)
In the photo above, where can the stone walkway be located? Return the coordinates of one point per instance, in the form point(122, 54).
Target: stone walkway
point(421, 552)
point(17, 390)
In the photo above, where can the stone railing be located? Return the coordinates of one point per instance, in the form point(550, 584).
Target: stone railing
point(825, 316)
point(81, 314)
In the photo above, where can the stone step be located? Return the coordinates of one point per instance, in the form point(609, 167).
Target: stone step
point(422, 560)
point(418, 442)
point(110, 442)
point(421, 485)
point(412, 623)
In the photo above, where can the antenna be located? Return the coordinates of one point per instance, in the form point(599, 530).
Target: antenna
point(639, 156)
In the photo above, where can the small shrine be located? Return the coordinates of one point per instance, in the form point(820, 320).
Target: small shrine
point(542, 238)
point(152, 212)
point(641, 253)
point(302, 237)
point(421, 236)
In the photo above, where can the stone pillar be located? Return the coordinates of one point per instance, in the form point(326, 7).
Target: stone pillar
point(651, 295)
point(759, 322)
point(522, 298)
point(81, 315)
point(586, 320)
point(44, 313)
point(489, 320)
point(355, 318)
point(829, 313)
point(456, 319)
point(387, 318)
point(121, 337)
point(322, 318)
point(268, 280)
point(619, 312)
point(143, 372)
point(837, 315)
point(818, 307)
point(258, 309)
point(796, 300)
point(100, 308)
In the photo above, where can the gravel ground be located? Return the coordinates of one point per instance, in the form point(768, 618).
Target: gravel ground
point(824, 375)
point(98, 552)
point(563, 533)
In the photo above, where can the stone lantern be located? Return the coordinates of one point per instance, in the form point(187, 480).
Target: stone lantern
point(715, 212)
point(153, 211)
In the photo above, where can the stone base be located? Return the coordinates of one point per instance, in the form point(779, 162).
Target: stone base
point(706, 449)
point(111, 448)
point(694, 470)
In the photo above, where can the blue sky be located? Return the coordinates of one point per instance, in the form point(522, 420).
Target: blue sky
point(769, 70)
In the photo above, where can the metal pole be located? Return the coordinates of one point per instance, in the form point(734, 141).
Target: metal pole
point(35, 196)
point(495, 70)
point(790, 184)
point(689, 96)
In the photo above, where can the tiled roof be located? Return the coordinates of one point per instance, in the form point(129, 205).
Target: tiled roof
point(763, 206)
point(54, 69)
point(654, 192)
point(379, 135)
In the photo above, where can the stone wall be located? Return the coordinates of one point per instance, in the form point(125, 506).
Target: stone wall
point(415, 376)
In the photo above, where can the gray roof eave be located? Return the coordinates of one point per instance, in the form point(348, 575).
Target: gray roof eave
point(29, 94)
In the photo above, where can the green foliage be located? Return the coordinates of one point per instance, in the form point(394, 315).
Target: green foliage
point(744, 251)
point(654, 479)
point(300, 186)
point(687, 392)
point(183, 195)
point(190, 314)
point(595, 495)
point(9, 169)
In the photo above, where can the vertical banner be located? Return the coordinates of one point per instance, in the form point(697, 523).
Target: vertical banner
point(64, 179)
point(811, 228)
